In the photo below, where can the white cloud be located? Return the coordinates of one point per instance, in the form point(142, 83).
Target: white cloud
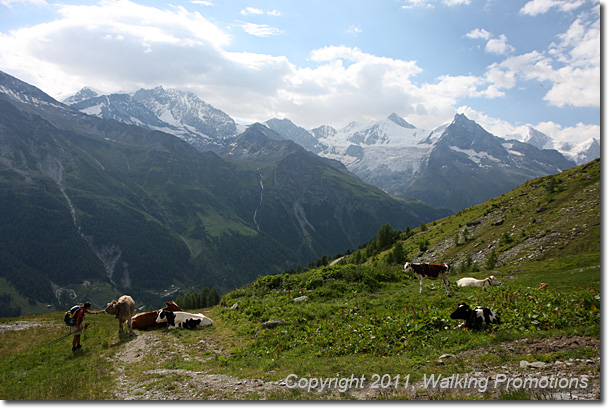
point(429, 4)
point(456, 2)
point(254, 11)
point(535, 7)
point(251, 10)
point(113, 45)
point(202, 3)
point(572, 65)
point(123, 45)
point(479, 33)
point(410, 4)
point(354, 30)
point(495, 45)
point(261, 30)
point(12, 3)
point(499, 45)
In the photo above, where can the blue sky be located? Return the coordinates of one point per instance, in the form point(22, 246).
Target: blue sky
point(505, 64)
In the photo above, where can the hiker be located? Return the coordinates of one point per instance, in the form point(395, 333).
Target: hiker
point(77, 329)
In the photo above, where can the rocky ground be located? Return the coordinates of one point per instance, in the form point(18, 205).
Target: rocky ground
point(486, 380)
point(177, 384)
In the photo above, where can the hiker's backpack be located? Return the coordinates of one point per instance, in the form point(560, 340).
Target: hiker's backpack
point(70, 317)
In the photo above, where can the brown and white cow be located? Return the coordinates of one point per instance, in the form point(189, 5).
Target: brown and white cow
point(146, 320)
point(432, 271)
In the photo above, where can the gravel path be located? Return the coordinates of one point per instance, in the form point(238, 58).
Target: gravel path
point(163, 383)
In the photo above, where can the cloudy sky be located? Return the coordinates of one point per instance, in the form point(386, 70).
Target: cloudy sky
point(504, 63)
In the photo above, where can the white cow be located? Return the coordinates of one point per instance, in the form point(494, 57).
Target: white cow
point(480, 283)
point(183, 320)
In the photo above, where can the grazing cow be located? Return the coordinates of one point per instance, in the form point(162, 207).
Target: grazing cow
point(480, 283)
point(432, 271)
point(477, 318)
point(123, 310)
point(145, 320)
point(183, 320)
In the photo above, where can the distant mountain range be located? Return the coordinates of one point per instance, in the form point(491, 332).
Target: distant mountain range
point(453, 166)
point(88, 203)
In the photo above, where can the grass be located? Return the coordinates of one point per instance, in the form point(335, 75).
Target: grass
point(33, 369)
point(394, 328)
point(356, 320)
point(360, 319)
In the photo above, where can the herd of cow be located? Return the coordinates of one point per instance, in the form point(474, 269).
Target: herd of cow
point(171, 316)
point(476, 318)
point(174, 318)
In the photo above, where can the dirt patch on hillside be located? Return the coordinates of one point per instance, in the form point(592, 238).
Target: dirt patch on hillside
point(161, 382)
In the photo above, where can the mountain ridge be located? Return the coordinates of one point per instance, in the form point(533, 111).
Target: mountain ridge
point(140, 210)
point(392, 154)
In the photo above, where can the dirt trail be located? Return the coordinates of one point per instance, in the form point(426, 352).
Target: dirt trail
point(163, 383)
point(160, 382)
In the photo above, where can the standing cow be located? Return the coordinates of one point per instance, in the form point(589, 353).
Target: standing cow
point(123, 309)
point(432, 271)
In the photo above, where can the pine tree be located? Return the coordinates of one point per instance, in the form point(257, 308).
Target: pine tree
point(398, 253)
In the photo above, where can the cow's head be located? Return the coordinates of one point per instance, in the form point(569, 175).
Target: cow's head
point(407, 267)
point(493, 281)
point(166, 316)
point(112, 308)
point(463, 311)
point(172, 306)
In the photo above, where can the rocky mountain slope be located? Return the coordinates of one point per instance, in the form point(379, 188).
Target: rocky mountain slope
point(171, 111)
point(390, 154)
point(454, 166)
point(92, 205)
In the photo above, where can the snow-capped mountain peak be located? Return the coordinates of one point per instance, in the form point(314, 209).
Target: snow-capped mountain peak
point(169, 110)
point(538, 139)
point(395, 118)
point(84, 94)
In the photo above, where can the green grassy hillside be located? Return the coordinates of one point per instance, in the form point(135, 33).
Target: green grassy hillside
point(368, 318)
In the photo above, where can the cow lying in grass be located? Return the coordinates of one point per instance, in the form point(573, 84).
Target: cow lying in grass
point(146, 320)
point(477, 318)
point(480, 283)
point(183, 320)
point(432, 271)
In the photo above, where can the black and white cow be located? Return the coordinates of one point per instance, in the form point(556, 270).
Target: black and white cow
point(477, 318)
point(432, 271)
point(183, 320)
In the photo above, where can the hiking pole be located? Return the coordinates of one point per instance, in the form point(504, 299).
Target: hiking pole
point(69, 334)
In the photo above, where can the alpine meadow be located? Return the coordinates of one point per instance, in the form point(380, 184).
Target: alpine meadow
point(305, 335)
point(347, 200)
